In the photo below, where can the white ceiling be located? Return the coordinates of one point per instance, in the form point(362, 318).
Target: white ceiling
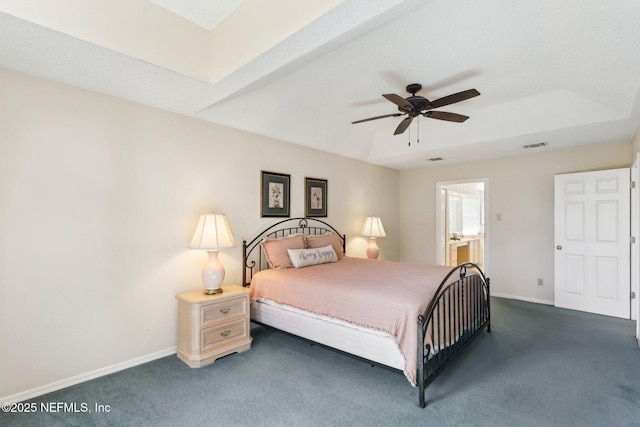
point(207, 14)
point(565, 73)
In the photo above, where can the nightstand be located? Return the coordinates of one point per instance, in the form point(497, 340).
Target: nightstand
point(213, 326)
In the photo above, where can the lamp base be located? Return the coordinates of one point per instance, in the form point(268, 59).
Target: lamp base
point(372, 250)
point(213, 275)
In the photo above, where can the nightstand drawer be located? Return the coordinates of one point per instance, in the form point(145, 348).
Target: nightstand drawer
point(219, 312)
point(219, 335)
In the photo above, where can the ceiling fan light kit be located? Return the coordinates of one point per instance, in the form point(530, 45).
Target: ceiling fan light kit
point(417, 105)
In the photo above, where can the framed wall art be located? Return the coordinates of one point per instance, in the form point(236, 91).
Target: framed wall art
point(315, 197)
point(274, 194)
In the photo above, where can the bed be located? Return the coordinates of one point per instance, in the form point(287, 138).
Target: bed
point(411, 317)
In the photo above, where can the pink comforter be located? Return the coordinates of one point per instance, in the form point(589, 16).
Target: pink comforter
point(382, 295)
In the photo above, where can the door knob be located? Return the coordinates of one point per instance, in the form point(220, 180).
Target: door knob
point(559, 247)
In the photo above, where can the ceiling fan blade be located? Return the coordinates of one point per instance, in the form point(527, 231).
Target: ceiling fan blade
point(377, 117)
point(403, 125)
point(456, 97)
point(399, 101)
point(443, 115)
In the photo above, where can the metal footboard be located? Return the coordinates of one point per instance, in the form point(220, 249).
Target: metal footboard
point(457, 314)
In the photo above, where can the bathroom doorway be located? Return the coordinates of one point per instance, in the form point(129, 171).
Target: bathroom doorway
point(461, 213)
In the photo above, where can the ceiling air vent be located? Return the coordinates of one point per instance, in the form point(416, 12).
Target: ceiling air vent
point(538, 145)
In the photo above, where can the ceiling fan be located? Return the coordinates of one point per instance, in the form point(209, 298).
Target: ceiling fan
point(415, 106)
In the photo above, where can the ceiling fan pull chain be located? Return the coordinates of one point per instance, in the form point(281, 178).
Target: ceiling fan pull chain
point(409, 136)
point(418, 138)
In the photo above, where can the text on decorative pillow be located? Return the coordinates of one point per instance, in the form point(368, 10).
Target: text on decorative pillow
point(306, 257)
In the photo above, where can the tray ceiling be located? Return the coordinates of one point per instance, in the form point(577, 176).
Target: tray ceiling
point(565, 73)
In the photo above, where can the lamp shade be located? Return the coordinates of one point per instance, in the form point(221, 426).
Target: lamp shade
point(212, 233)
point(373, 227)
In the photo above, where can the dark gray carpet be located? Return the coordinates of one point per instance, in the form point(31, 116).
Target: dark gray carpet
point(541, 366)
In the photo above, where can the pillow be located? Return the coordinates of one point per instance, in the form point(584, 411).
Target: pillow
point(306, 257)
point(275, 250)
point(320, 241)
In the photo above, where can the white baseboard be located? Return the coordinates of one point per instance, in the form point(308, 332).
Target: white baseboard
point(534, 300)
point(39, 391)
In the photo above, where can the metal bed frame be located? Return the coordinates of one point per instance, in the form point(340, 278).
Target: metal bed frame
point(459, 311)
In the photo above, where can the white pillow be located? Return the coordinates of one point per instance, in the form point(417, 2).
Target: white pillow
point(306, 257)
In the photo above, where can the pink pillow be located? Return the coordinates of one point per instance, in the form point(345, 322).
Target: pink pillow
point(275, 250)
point(323, 240)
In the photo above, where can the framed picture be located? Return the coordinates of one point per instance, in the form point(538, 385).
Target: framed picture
point(274, 194)
point(315, 197)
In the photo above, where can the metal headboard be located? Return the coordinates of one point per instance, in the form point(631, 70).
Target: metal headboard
point(308, 226)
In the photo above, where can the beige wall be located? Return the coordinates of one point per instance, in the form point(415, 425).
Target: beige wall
point(98, 200)
point(520, 246)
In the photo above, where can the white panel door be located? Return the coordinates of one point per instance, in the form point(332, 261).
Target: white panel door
point(592, 238)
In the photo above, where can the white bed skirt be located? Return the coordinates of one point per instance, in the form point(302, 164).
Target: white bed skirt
point(369, 344)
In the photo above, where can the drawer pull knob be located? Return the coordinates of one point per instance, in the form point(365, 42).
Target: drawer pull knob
point(225, 333)
point(225, 310)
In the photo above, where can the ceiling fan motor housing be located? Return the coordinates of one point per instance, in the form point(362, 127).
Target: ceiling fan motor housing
point(419, 103)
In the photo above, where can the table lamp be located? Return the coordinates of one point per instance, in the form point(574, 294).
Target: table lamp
point(212, 234)
point(372, 228)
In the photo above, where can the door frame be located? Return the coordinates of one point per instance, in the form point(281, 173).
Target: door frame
point(635, 246)
point(440, 221)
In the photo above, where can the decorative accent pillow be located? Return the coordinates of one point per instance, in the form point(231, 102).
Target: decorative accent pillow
point(320, 241)
point(306, 257)
point(275, 250)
